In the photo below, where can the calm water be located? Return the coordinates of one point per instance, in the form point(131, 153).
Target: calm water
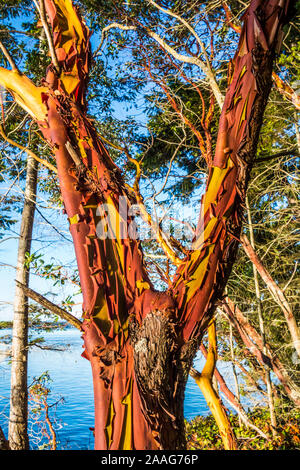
point(72, 380)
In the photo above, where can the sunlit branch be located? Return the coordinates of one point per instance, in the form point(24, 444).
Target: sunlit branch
point(286, 90)
point(25, 93)
point(107, 28)
point(40, 5)
point(275, 291)
point(187, 25)
point(229, 19)
point(231, 398)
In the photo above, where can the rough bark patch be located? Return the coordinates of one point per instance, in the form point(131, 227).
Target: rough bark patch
point(160, 376)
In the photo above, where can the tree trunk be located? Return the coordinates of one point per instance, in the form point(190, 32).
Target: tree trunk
point(18, 437)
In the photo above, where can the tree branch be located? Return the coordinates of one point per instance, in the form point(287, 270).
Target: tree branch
point(293, 151)
point(107, 28)
point(275, 291)
point(253, 343)
point(182, 58)
point(159, 234)
point(187, 25)
point(4, 445)
point(25, 93)
point(25, 149)
point(40, 6)
point(204, 381)
point(231, 398)
point(286, 90)
point(8, 57)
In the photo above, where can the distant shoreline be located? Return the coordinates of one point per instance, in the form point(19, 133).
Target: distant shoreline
point(38, 325)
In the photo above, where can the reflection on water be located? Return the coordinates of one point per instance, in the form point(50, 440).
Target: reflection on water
point(72, 379)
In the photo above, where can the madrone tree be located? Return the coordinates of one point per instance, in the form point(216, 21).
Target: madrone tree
point(141, 342)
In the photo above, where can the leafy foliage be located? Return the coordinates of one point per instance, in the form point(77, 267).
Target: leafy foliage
point(203, 434)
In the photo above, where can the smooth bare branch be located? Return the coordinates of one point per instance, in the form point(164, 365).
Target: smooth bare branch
point(40, 6)
point(8, 57)
point(170, 50)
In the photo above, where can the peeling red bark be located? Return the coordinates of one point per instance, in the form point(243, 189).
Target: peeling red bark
point(232, 399)
point(276, 292)
point(222, 207)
